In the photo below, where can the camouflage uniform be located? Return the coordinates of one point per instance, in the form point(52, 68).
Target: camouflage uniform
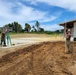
point(68, 37)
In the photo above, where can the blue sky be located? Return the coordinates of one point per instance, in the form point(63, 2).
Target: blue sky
point(48, 12)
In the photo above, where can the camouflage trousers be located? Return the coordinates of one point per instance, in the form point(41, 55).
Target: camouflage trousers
point(68, 44)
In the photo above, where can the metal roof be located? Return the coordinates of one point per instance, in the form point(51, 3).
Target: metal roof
point(68, 23)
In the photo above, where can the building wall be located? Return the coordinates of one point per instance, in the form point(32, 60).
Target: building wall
point(72, 32)
point(75, 30)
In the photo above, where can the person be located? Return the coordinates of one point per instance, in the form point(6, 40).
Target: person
point(8, 37)
point(3, 41)
point(68, 38)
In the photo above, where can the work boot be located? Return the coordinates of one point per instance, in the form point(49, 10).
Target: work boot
point(68, 52)
point(4, 45)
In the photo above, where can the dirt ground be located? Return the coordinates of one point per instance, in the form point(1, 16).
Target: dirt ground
point(47, 58)
point(24, 40)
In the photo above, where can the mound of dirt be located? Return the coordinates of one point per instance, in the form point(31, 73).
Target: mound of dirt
point(47, 58)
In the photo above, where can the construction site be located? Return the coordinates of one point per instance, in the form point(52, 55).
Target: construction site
point(37, 37)
point(37, 55)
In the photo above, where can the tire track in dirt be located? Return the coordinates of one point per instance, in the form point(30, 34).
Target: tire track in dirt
point(47, 58)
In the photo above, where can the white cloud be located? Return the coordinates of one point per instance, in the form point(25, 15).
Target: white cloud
point(67, 4)
point(22, 14)
point(48, 19)
point(33, 2)
point(52, 27)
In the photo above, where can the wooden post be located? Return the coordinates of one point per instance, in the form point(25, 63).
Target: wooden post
point(65, 37)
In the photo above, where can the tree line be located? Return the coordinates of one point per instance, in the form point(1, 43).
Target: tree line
point(16, 27)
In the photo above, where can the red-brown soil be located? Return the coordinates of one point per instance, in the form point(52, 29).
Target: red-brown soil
point(47, 58)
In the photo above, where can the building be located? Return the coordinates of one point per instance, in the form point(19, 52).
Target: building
point(71, 25)
point(10, 29)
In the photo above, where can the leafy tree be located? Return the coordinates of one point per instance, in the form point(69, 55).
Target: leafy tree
point(0, 31)
point(15, 26)
point(9, 25)
point(19, 28)
point(57, 31)
point(27, 27)
point(6, 25)
point(41, 29)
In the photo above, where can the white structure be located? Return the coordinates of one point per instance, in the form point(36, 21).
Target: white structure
point(71, 25)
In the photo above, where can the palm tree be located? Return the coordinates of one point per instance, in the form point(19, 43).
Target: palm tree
point(34, 29)
point(27, 27)
point(37, 25)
